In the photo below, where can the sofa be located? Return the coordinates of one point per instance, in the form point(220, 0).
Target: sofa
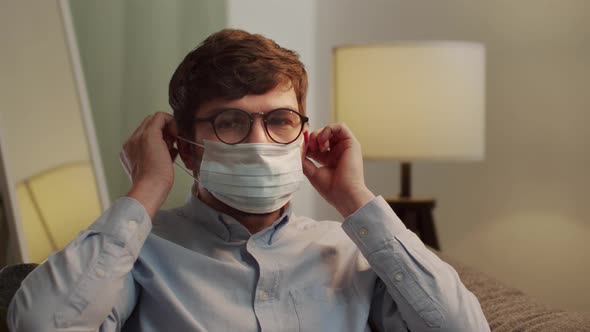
point(506, 308)
point(509, 309)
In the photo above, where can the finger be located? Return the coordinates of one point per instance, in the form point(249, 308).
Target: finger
point(326, 135)
point(164, 124)
point(313, 145)
point(336, 132)
point(170, 134)
point(161, 127)
point(171, 128)
point(139, 130)
point(159, 121)
point(340, 131)
point(323, 139)
point(313, 149)
point(333, 140)
point(305, 141)
point(340, 135)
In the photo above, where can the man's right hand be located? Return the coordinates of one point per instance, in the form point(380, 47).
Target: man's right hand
point(148, 157)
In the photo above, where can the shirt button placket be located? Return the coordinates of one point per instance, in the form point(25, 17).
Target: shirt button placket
point(363, 232)
point(264, 288)
point(263, 295)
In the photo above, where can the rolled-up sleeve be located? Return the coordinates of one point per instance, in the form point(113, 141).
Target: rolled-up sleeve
point(427, 291)
point(87, 286)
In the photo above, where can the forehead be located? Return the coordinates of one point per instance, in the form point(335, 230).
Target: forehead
point(282, 96)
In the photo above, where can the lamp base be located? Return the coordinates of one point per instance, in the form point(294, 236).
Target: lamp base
point(416, 214)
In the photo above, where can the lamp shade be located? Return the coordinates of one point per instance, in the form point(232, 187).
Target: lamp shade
point(413, 100)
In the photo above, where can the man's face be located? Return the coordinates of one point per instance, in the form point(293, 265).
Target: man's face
point(281, 97)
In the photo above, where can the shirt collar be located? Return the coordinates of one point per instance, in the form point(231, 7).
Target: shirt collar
point(228, 228)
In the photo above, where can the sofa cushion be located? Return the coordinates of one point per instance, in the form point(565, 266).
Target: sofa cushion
point(509, 309)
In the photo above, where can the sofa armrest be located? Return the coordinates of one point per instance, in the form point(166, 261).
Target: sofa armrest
point(509, 309)
point(10, 279)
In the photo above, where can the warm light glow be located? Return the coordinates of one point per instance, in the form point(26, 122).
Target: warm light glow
point(55, 206)
point(413, 100)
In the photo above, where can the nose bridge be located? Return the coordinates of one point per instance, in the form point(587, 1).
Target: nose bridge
point(258, 133)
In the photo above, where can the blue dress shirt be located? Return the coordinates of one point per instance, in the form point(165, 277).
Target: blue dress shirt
point(195, 269)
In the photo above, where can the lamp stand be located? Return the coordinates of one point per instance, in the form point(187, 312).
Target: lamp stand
point(415, 213)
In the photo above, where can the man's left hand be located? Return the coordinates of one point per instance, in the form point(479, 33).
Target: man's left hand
point(339, 179)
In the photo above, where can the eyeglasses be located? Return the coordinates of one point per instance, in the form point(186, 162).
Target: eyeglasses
point(233, 126)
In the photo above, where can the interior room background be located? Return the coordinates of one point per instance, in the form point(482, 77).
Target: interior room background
point(520, 215)
point(129, 50)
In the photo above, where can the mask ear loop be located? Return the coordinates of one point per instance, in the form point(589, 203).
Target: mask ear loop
point(182, 167)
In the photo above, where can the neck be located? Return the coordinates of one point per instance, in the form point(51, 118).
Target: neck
point(253, 222)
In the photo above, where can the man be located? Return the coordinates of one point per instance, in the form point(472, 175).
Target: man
point(234, 257)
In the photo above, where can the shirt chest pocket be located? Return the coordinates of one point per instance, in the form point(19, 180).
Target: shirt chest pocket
point(321, 308)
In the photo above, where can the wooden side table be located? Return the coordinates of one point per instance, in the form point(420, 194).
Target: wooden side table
point(416, 214)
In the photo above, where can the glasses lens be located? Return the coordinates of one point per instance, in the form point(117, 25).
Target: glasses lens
point(232, 126)
point(283, 126)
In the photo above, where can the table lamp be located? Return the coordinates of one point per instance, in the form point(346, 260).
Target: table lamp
point(413, 101)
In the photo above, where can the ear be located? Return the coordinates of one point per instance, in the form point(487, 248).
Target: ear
point(187, 154)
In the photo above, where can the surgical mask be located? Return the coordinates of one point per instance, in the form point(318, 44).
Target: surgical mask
point(251, 177)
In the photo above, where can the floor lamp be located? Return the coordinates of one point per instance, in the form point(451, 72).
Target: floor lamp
point(413, 101)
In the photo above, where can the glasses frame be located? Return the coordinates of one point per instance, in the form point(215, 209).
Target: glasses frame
point(251, 116)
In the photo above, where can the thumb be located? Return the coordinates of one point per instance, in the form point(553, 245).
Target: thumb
point(319, 179)
point(309, 168)
point(316, 177)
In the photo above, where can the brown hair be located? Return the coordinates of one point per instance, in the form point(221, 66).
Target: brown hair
point(231, 64)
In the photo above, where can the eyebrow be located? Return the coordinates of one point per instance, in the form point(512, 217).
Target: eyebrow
point(217, 110)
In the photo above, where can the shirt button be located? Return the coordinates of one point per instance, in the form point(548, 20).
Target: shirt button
point(100, 272)
point(363, 231)
point(398, 277)
point(263, 295)
point(132, 226)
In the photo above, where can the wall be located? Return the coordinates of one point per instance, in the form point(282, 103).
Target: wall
point(37, 90)
point(129, 51)
point(42, 129)
point(521, 215)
